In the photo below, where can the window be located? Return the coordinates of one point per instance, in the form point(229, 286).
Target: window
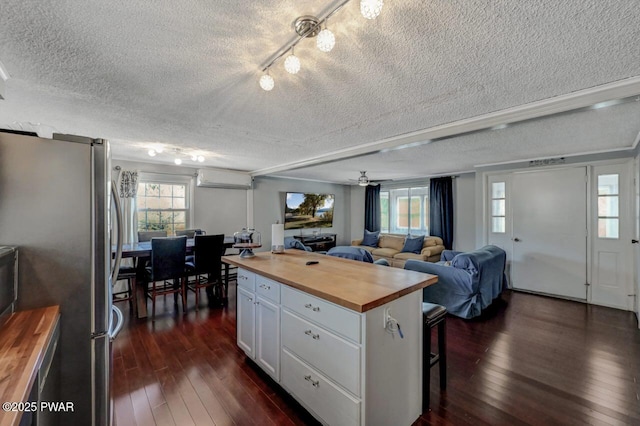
point(498, 207)
point(384, 211)
point(608, 199)
point(162, 206)
point(405, 210)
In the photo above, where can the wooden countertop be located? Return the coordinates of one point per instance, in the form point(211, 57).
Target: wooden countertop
point(358, 286)
point(24, 338)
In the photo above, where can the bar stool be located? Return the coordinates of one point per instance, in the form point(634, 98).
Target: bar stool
point(128, 274)
point(433, 315)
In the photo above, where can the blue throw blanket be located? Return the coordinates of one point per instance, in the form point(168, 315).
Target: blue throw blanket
point(350, 252)
point(467, 282)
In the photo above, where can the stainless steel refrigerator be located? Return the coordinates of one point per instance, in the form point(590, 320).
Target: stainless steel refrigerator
point(55, 204)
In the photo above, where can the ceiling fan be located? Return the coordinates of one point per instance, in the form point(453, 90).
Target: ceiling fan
point(364, 180)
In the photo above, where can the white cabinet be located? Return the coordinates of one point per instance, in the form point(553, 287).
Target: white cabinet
point(341, 365)
point(268, 336)
point(246, 320)
point(258, 321)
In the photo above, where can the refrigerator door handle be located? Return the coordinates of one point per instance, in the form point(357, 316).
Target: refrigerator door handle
point(116, 201)
point(119, 323)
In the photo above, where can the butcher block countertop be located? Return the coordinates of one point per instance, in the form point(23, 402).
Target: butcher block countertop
point(358, 286)
point(24, 338)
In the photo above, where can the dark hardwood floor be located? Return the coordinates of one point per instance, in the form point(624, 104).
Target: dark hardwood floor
point(528, 360)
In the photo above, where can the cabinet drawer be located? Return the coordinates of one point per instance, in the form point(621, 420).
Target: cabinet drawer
point(330, 403)
point(268, 288)
point(333, 317)
point(334, 356)
point(247, 279)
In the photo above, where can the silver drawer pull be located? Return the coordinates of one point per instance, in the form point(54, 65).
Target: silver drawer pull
point(314, 308)
point(314, 383)
point(310, 333)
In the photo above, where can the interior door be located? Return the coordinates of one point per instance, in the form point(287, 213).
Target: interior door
point(612, 250)
point(549, 215)
point(499, 215)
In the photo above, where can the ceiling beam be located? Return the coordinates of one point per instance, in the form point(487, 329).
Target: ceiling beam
point(4, 76)
point(546, 107)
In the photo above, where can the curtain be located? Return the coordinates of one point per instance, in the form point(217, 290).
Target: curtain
point(441, 209)
point(372, 208)
point(127, 187)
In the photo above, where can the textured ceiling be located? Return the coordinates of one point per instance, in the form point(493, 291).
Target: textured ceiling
point(184, 74)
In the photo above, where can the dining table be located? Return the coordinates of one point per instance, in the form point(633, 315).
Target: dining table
point(142, 249)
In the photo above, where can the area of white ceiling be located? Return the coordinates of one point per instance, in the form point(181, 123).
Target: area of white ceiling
point(185, 74)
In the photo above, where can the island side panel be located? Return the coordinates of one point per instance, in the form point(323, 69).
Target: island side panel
point(393, 365)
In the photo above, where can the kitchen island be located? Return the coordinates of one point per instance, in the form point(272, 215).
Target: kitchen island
point(343, 337)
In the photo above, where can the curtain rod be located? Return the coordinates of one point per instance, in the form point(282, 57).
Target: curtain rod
point(161, 173)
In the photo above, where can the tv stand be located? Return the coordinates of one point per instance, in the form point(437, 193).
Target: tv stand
point(320, 242)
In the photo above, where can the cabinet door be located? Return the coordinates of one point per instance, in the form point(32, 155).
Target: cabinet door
point(268, 337)
point(245, 323)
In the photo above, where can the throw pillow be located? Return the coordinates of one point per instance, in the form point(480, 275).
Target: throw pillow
point(370, 238)
point(413, 245)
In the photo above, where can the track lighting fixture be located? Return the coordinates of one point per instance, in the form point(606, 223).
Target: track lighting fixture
point(178, 155)
point(308, 26)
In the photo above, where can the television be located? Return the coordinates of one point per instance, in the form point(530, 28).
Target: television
point(306, 210)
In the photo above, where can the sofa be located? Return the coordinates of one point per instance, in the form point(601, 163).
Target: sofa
point(467, 282)
point(390, 249)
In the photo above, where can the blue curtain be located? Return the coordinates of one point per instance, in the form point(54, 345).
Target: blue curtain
point(441, 209)
point(372, 208)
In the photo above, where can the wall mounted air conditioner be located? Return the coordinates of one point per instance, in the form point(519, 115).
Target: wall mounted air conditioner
point(209, 178)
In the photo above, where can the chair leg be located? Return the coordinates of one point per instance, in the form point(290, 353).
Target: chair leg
point(442, 353)
point(133, 299)
point(426, 366)
point(153, 301)
point(196, 290)
point(183, 291)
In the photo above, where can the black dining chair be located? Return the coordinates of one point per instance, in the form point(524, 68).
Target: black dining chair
point(129, 293)
point(189, 233)
point(167, 273)
point(207, 267)
point(144, 236)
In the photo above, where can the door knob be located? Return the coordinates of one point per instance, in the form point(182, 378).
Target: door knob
point(635, 241)
point(517, 240)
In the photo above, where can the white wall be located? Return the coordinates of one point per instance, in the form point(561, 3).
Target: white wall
point(357, 212)
point(215, 210)
point(636, 247)
point(464, 217)
point(268, 206)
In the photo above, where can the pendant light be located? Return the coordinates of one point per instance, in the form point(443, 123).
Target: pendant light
point(266, 82)
point(326, 40)
point(370, 9)
point(292, 63)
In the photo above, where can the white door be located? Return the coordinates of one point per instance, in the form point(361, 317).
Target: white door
point(549, 209)
point(499, 215)
point(612, 233)
point(245, 322)
point(268, 337)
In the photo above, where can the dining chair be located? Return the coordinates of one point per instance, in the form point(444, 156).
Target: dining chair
point(144, 236)
point(207, 266)
point(167, 273)
point(129, 293)
point(190, 233)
